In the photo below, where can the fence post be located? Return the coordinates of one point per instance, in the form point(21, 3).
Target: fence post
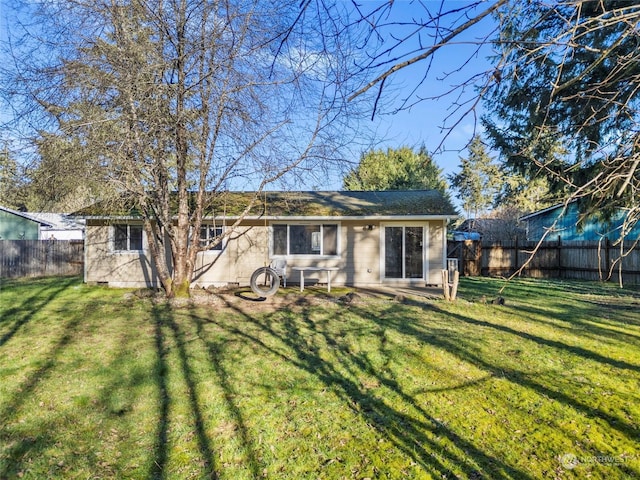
point(515, 255)
point(454, 286)
point(450, 284)
point(559, 254)
point(445, 284)
point(478, 257)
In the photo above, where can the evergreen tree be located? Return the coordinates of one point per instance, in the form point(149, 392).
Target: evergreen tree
point(396, 169)
point(12, 193)
point(569, 76)
point(478, 181)
point(524, 195)
point(66, 178)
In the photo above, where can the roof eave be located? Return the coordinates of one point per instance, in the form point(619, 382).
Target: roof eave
point(26, 216)
point(300, 217)
point(544, 210)
point(342, 217)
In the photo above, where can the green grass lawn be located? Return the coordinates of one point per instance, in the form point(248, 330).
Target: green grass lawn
point(98, 383)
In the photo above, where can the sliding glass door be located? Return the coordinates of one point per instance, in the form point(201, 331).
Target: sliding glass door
point(404, 252)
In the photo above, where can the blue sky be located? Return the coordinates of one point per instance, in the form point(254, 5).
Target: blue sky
point(423, 122)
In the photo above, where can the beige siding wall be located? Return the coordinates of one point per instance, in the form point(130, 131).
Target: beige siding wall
point(244, 250)
point(247, 249)
point(102, 264)
point(436, 253)
point(361, 254)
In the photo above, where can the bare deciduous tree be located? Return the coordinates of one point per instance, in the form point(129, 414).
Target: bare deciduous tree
point(179, 101)
point(434, 42)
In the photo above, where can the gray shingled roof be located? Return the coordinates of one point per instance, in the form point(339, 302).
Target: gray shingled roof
point(364, 203)
point(314, 204)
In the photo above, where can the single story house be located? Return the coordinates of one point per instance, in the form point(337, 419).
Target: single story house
point(370, 238)
point(16, 225)
point(565, 225)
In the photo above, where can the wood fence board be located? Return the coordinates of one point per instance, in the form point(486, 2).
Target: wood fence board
point(585, 260)
point(36, 258)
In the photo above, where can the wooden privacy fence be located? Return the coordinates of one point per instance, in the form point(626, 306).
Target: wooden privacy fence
point(36, 258)
point(556, 259)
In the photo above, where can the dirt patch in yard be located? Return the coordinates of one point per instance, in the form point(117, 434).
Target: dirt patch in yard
point(244, 299)
point(247, 301)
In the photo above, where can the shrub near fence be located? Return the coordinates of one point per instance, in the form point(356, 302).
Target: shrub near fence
point(37, 258)
point(553, 259)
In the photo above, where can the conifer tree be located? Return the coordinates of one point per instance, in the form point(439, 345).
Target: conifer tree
point(478, 181)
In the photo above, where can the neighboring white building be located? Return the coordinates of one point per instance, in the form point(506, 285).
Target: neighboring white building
point(59, 226)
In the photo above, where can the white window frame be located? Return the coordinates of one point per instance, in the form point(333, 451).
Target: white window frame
point(220, 247)
point(112, 239)
point(319, 237)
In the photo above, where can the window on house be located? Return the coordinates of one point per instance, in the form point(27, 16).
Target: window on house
point(208, 233)
point(127, 237)
point(305, 239)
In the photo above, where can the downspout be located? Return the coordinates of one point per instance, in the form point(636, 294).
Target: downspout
point(444, 245)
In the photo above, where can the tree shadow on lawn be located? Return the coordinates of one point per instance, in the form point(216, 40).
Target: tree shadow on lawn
point(578, 351)
point(159, 460)
point(168, 335)
point(172, 338)
point(23, 311)
point(584, 322)
point(22, 393)
point(538, 288)
point(465, 352)
point(599, 306)
point(302, 342)
point(599, 317)
point(418, 439)
point(221, 375)
point(117, 384)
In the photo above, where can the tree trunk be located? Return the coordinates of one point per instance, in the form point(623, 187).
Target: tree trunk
point(155, 240)
point(182, 272)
